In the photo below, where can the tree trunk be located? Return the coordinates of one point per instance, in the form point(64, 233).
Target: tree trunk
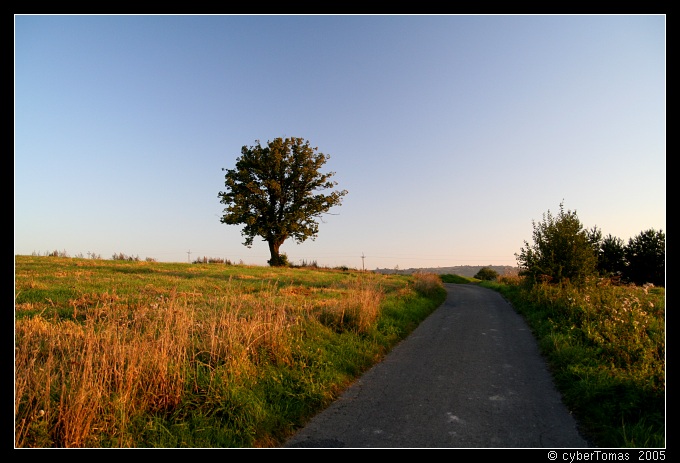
point(276, 259)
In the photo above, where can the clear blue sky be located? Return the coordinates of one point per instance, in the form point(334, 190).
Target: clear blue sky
point(451, 133)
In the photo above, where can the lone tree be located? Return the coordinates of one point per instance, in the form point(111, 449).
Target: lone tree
point(276, 191)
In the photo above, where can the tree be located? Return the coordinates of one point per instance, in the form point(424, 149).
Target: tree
point(562, 250)
point(595, 238)
point(646, 258)
point(611, 259)
point(486, 274)
point(276, 191)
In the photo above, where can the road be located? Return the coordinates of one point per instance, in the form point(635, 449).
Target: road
point(470, 376)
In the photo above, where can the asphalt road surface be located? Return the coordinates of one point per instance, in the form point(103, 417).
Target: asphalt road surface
point(470, 376)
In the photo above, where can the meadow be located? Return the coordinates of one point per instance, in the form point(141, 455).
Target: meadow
point(115, 353)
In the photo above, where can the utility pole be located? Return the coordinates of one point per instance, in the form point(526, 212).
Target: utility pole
point(189, 254)
point(363, 269)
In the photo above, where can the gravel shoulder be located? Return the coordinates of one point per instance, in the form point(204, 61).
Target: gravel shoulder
point(469, 376)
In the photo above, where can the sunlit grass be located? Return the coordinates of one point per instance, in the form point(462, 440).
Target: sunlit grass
point(143, 354)
point(606, 347)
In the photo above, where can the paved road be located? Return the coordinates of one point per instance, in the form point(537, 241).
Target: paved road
point(469, 376)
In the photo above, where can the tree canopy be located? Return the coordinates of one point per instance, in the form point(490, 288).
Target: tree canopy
point(611, 259)
point(562, 250)
point(277, 192)
point(646, 258)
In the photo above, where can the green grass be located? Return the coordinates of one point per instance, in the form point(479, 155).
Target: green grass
point(605, 346)
point(116, 353)
point(145, 354)
point(449, 278)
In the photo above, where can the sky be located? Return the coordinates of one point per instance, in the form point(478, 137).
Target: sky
point(453, 134)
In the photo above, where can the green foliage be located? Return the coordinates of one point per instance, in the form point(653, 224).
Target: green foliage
point(276, 191)
point(279, 260)
point(486, 274)
point(646, 258)
point(611, 257)
point(606, 348)
point(562, 250)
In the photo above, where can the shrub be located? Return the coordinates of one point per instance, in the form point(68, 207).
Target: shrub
point(486, 274)
point(121, 256)
point(562, 250)
point(211, 260)
point(56, 253)
point(279, 261)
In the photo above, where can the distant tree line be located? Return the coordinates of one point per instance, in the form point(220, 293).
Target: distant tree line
point(563, 250)
point(211, 260)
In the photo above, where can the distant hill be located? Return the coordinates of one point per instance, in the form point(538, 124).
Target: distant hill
point(468, 271)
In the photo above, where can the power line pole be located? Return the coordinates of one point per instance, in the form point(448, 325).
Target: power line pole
point(363, 269)
point(189, 254)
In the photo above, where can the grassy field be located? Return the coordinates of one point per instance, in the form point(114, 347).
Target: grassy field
point(114, 353)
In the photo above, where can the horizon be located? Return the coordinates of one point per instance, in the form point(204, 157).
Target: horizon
point(95, 256)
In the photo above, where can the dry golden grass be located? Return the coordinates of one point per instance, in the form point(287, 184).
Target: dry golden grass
point(427, 283)
point(114, 361)
point(358, 310)
point(117, 363)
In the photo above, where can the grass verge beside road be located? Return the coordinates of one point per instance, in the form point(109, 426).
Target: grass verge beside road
point(606, 347)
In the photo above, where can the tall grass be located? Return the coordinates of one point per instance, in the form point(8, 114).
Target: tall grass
point(606, 345)
point(189, 356)
point(78, 380)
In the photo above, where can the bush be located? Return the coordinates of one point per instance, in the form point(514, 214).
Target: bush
point(562, 251)
point(121, 256)
point(279, 261)
point(211, 260)
point(486, 274)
